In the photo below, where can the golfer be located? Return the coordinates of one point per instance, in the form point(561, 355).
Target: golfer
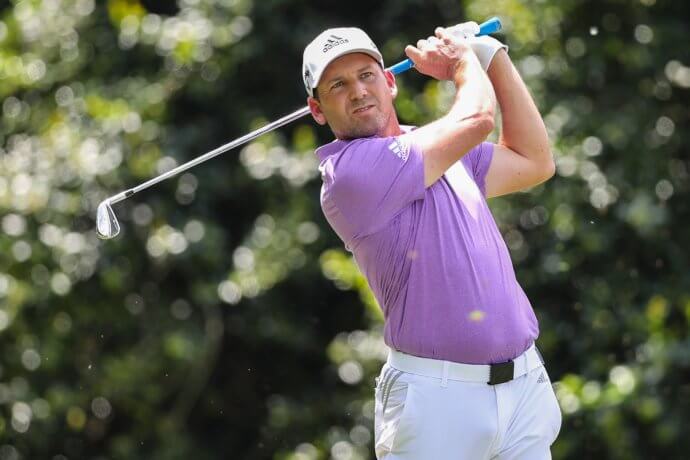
point(463, 379)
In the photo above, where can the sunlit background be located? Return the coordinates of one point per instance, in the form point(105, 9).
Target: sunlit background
point(227, 320)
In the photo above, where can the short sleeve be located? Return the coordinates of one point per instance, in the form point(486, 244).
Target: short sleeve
point(478, 161)
point(369, 182)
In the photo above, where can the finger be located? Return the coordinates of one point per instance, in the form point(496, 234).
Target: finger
point(442, 33)
point(413, 53)
point(457, 33)
point(422, 44)
point(471, 28)
point(466, 29)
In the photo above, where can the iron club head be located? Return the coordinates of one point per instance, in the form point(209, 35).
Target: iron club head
point(106, 223)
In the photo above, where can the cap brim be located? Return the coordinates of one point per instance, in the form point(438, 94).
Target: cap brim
point(377, 57)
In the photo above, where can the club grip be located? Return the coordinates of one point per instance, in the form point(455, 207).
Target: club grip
point(485, 28)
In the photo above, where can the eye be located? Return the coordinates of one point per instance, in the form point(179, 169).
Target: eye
point(336, 85)
point(367, 74)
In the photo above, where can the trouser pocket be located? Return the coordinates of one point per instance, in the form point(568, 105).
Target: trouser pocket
point(543, 399)
point(392, 393)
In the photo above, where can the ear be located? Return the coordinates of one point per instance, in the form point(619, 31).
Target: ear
point(390, 81)
point(315, 109)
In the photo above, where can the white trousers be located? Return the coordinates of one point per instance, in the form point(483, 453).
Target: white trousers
point(422, 417)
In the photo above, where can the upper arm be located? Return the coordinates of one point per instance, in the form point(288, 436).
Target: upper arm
point(373, 180)
point(511, 172)
point(444, 141)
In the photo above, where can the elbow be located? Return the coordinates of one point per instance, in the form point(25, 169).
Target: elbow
point(551, 170)
point(548, 169)
point(488, 124)
point(484, 124)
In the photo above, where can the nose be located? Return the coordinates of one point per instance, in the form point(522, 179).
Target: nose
point(359, 91)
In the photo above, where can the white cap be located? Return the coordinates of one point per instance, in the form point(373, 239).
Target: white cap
point(331, 44)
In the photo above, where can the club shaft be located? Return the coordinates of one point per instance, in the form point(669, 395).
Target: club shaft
point(490, 26)
point(207, 156)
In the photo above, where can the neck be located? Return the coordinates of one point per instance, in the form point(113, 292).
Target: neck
point(392, 127)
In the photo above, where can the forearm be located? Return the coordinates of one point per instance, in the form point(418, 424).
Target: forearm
point(474, 103)
point(474, 92)
point(522, 128)
point(468, 122)
point(470, 119)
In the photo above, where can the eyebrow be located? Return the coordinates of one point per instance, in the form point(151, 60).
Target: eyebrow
point(339, 77)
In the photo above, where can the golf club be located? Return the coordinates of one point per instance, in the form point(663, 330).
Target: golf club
point(107, 225)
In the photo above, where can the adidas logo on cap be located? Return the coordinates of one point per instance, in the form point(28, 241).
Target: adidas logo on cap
point(334, 41)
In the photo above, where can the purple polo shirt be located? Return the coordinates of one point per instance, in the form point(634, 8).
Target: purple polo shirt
point(433, 257)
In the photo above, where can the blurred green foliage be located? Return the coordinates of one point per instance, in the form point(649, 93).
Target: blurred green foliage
point(227, 321)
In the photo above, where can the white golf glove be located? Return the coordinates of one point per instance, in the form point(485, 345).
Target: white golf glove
point(484, 47)
point(464, 30)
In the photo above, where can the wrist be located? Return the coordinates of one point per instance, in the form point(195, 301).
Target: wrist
point(467, 63)
point(486, 48)
point(498, 65)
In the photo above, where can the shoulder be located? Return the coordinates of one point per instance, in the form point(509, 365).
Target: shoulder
point(362, 154)
point(338, 147)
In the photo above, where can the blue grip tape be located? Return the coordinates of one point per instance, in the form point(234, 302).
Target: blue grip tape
point(485, 28)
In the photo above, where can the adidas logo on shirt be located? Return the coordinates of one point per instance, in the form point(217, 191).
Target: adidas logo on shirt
point(400, 151)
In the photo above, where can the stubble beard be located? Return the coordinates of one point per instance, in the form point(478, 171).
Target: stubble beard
point(365, 127)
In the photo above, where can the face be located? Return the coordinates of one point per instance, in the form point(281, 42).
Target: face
point(356, 98)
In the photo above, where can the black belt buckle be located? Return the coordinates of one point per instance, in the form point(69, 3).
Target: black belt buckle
point(501, 372)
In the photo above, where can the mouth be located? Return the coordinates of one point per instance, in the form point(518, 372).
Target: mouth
point(362, 109)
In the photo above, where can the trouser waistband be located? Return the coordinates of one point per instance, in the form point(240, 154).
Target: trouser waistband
point(447, 370)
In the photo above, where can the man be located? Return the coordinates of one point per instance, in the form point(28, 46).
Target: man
point(463, 379)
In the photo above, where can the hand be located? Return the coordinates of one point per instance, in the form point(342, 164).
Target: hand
point(484, 47)
point(439, 56)
point(464, 29)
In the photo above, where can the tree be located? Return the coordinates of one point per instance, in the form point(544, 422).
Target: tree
point(227, 321)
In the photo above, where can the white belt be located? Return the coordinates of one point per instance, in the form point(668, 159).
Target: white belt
point(447, 370)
